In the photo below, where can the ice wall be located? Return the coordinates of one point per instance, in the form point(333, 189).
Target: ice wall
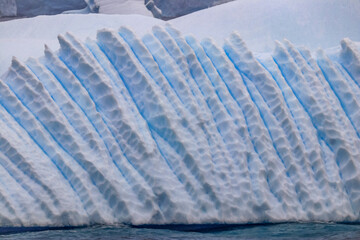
point(26, 8)
point(7, 8)
point(166, 129)
point(168, 9)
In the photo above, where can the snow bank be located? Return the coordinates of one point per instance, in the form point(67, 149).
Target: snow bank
point(26, 37)
point(261, 22)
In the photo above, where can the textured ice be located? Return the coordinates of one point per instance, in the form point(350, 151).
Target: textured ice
point(166, 9)
point(166, 129)
point(7, 8)
point(118, 7)
point(26, 8)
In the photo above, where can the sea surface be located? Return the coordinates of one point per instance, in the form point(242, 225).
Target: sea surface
point(328, 231)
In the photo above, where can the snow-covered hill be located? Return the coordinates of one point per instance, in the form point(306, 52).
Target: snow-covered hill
point(310, 23)
point(260, 22)
point(26, 37)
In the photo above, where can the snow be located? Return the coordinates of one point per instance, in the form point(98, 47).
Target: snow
point(147, 125)
point(16, 36)
point(260, 22)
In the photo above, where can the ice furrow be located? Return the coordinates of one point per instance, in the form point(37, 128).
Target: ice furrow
point(246, 64)
point(323, 119)
point(42, 139)
point(138, 185)
point(147, 98)
point(308, 133)
point(80, 95)
point(269, 102)
point(64, 134)
point(342, 90)
point(239, 174)
point(350, 59)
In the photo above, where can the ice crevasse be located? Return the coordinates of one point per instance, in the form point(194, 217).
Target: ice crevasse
point(165, 129)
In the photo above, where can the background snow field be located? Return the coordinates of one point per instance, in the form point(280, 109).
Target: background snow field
point(25, 38)
point(314, 24)
point(165, 129)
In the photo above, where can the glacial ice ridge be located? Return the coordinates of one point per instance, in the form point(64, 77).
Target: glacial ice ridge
point(166, 129)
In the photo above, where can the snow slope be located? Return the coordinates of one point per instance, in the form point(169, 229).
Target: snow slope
point(260, 22)
point(166, 129)
point(25, 38)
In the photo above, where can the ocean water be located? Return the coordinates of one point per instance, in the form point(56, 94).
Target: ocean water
point(313, 231)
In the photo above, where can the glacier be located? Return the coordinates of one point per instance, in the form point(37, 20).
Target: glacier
point(166, 129)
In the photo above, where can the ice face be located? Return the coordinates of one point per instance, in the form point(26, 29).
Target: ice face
point(7, 8)
point(166, 129)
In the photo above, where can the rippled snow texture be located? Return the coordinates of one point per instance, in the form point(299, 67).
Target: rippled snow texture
point(166, 129)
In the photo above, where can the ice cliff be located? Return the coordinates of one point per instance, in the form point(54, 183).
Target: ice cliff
point(168, 9)
point(166, 129)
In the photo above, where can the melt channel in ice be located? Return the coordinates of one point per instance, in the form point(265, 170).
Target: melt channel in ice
point(166, 129)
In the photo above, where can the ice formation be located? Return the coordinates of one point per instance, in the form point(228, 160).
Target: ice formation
point(26, 8)
point(7, 8)
point(166, 9)
point(166, 129)
point(118, 7)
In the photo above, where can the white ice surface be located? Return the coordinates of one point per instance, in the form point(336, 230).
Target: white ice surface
point(166, 129)
point(260, 22)
point(26, 37)
point(149, 126)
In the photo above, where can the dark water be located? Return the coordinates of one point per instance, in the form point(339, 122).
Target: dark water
point(272, 231)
